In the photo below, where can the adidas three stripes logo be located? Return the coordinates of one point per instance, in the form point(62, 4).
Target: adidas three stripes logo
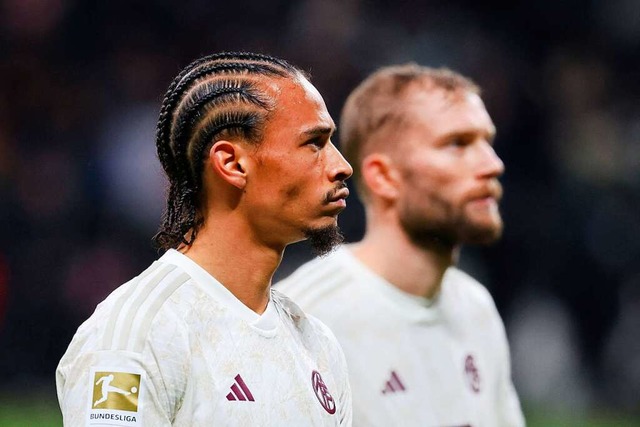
point(394, 384)
point(240, 391)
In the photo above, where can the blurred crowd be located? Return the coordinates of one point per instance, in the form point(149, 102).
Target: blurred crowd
point(81, 190)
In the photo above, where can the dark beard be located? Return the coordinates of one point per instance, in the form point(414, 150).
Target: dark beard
point(449, 230)
point(447, 236)
point(324, 240)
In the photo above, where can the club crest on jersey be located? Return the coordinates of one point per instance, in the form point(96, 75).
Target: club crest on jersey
point(322, 393)
point(114, 398)
point(471, 373)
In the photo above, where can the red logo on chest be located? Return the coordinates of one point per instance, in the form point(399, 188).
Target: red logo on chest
point(323, 395)
point(471, 372)
point(394, 384)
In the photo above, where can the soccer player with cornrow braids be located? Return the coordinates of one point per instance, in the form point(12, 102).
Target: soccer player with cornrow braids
point(199, 337)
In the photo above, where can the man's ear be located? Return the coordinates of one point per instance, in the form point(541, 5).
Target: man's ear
point(227, 159)
point(381, 176)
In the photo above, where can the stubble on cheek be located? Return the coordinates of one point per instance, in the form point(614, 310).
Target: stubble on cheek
point(289, 195)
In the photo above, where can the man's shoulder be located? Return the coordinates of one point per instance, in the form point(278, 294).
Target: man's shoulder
point(464, 297)
point(295, 315)
point(308, 327)
point(464, 286)
point(123, 320)
point(319, 279)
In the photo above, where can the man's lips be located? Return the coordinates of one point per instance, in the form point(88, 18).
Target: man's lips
point(491, 191)
point(337, 195)
point(336, 198)
point(341, 194)
point(484, 202)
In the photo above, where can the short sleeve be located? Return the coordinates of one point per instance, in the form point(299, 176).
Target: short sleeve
point(122, 387)
point(111, 387)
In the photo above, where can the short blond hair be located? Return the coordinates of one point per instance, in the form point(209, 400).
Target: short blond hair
point(377, 104)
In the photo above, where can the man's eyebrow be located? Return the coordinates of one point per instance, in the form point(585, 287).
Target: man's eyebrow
point(490, 135)
point(320, 131)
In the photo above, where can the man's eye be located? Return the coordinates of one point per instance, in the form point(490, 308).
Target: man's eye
point(458, 142)
point(316, 142)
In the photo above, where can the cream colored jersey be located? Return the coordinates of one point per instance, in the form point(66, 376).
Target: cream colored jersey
point(412, 362)
point(175, 347)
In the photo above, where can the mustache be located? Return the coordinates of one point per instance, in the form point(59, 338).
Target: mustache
point(332, 195)
point(492, 188)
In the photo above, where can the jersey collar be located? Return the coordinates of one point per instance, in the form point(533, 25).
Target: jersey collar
point(266, 323)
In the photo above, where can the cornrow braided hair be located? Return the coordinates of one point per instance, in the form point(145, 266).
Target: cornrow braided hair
point(214, 97)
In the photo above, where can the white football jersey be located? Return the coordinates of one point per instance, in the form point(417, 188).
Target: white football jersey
point(412, 362)
point(174, 347)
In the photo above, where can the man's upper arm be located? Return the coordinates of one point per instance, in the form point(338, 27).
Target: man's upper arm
point(508, 401)
point(111, 387)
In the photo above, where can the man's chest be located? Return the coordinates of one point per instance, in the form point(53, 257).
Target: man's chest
point(261, 382)
point(423, 378)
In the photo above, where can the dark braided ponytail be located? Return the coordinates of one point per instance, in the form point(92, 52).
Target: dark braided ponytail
point(214, 97)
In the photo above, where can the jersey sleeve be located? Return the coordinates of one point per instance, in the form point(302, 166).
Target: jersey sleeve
point(509, 409)
point(113, 387)
point(509, 412)
point(120, 387)
point(346, 412)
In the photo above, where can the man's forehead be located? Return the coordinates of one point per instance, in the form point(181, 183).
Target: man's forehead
point(300, 109)
point(440, 109)
point(440, 99)
point(296, 90)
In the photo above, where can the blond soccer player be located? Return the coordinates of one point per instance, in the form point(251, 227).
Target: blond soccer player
point(424, 342)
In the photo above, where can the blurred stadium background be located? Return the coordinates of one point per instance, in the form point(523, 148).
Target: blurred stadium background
point(81, 192)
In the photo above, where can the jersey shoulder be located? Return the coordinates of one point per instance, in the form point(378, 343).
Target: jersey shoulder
point(297, 318)
point(465, 301)
point(321, 282)
point(463, 287)
point(318, 271)
point(125, 319)
point(313, 332)
point(138, 331)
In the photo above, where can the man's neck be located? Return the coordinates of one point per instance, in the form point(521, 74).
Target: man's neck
point(242, 266)
point(411, 268)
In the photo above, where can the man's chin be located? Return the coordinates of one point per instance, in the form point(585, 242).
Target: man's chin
point(324, 239)
point(482, 235)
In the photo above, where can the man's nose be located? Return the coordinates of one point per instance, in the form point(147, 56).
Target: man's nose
point(491, 164)
point(339, 168)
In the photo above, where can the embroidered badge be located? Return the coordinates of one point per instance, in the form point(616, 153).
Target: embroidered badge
point(322, 393)
point(471, 372)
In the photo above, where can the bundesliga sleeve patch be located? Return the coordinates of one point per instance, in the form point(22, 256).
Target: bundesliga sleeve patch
point(114, 398)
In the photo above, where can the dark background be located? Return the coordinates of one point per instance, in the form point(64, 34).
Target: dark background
point(81, 83)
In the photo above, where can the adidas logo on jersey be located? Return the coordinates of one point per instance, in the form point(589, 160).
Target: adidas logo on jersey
point(394, 384)
point(240, 391)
